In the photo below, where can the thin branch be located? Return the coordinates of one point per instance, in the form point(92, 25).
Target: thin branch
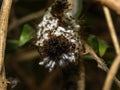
point(25, 19)
point(115, 65)
point(4, 16)
point(3, 28)
point(111, 29)
point(81, 82)
point(111, 74)
point(100, 61)
point(26, 55)
point(113, 4)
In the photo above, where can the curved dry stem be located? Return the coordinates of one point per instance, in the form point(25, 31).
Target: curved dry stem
point(111, 74)
point(113, 70)
point(113, 4)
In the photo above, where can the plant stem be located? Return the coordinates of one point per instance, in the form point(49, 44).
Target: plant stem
point(4, 16)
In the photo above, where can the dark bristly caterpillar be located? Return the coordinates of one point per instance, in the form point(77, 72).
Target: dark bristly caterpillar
point(57, 38)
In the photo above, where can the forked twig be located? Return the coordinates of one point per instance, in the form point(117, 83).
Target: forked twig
point(100, 61)
point(111, 74)
point(114, 67)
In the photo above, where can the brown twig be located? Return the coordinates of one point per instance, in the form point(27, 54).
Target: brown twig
point(111, 29)
point(100, 61)
point(111, 74)
point(26, 55)
point(81, 81)
point(5, 10)
point(113, 70)
point(25, 19)
point(113, 4)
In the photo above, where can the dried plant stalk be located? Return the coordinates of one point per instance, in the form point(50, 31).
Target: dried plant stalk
point(113, 4)
point(4, 15)
point(111, 29)
point(113, 70)
point(111, 74)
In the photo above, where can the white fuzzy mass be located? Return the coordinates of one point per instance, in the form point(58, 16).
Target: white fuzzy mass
point(50, 26)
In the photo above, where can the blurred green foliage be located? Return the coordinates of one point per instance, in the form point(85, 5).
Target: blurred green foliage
point(98, 45)
point(26, 35)
point(79, 9)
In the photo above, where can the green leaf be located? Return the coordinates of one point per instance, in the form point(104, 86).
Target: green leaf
point(92, 41)
point(98, 45)
point(102, 47)
point(26, 35)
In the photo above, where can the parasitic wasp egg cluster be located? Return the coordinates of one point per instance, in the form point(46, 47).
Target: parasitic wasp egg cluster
point(57, 38)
